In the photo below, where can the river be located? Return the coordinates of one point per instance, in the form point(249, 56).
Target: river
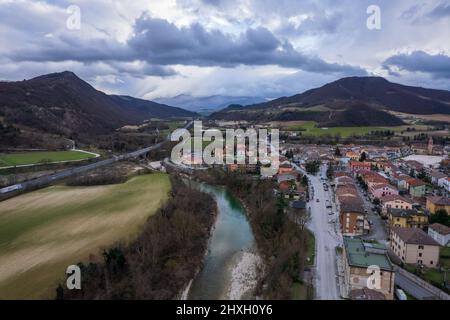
point(231, 237)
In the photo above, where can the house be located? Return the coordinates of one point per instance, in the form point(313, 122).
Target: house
point(366, 294)
point(440, 233)
point(407, 218)
point(413, 166)
point(436, 176)
point(414, 246)
point(357, 166)
point(285, 168)
point(395, 202)
point(445, 183)
point(438, 203)
point(297, 209)
point(372, 178)
point(416, 187)
point(378, 191)
point(358, 257)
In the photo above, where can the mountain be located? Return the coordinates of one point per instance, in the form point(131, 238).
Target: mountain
point(353, 101)
point(208, 103)
point(63, 104)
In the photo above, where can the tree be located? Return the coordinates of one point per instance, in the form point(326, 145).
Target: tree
point(363, 157)
point(312, 167)
point(330, 172)
point(304, 181)
point(441, 216)
point(337, 152)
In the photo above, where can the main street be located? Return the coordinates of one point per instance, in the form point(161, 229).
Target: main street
point(324, 227)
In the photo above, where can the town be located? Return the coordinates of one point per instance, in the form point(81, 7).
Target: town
point(368, 206)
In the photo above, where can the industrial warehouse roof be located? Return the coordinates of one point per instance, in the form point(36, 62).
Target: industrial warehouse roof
point(358, 256)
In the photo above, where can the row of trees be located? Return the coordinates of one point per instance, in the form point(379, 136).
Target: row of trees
point(161, 261)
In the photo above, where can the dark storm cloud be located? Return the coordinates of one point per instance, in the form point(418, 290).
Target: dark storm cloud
point(419, 61)
point(158, 42)
point(161, 42)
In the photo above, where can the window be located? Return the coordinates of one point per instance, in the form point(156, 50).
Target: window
point(420, 247)
point(420, 254)
point(431, 261)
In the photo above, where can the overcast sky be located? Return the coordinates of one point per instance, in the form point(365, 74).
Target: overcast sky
point(267, 48)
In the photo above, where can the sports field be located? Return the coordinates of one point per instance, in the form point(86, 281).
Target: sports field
point(36, 157)
point(43, 232)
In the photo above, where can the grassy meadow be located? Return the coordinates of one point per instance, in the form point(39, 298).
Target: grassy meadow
point(35, 157)
point(310, 128)
point(43, 232)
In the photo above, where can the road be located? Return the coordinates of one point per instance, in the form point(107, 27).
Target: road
point(377, 229)
point(412, 288)
point(49, 179)
point(327, 239)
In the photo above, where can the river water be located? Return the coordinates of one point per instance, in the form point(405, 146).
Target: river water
point(231, 235)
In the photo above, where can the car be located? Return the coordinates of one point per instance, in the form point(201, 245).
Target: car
point(317, 200)
point(330, 213)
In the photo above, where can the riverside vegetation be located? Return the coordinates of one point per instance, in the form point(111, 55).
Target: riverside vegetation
point(161, 261)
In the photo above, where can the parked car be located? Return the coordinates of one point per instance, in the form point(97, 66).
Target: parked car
point(317, 200)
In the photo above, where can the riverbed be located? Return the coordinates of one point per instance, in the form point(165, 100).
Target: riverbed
point(231, 263)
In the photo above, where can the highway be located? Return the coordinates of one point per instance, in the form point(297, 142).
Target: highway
point(49, 179)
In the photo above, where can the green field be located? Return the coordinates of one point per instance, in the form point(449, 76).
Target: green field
point(310, 248)
point(310, 128)
point(43, 232)
point(36, 157)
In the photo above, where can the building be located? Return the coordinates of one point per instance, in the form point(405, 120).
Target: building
point(285, 168)
point(378, 191)
point(359, 257)
point(352, 216)
point(407, 218)
point(436, 176)
point(438, 203)
point(357, 166)
point(366, 294)
point(395, 202)
point(430, 145)
point(416, 187)
point(445, 183)
point(414, 246)
point(440, 233)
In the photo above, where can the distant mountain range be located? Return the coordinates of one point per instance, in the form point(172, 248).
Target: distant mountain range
point(207, 104)
point(353, 101)
point(63, 104)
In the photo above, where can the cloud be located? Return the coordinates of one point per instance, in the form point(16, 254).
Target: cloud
point(442, 10)
point(419, 61)
point(161, 42)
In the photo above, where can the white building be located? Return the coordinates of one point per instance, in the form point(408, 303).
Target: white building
point(440, 233)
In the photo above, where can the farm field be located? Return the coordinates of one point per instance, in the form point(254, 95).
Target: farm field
point(43, 232)
point(310, 128)
point(35, 157)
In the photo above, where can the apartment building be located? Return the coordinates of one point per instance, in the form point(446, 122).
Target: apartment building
point(414, 246)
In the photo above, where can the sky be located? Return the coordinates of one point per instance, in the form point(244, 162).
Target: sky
point(262, 48)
